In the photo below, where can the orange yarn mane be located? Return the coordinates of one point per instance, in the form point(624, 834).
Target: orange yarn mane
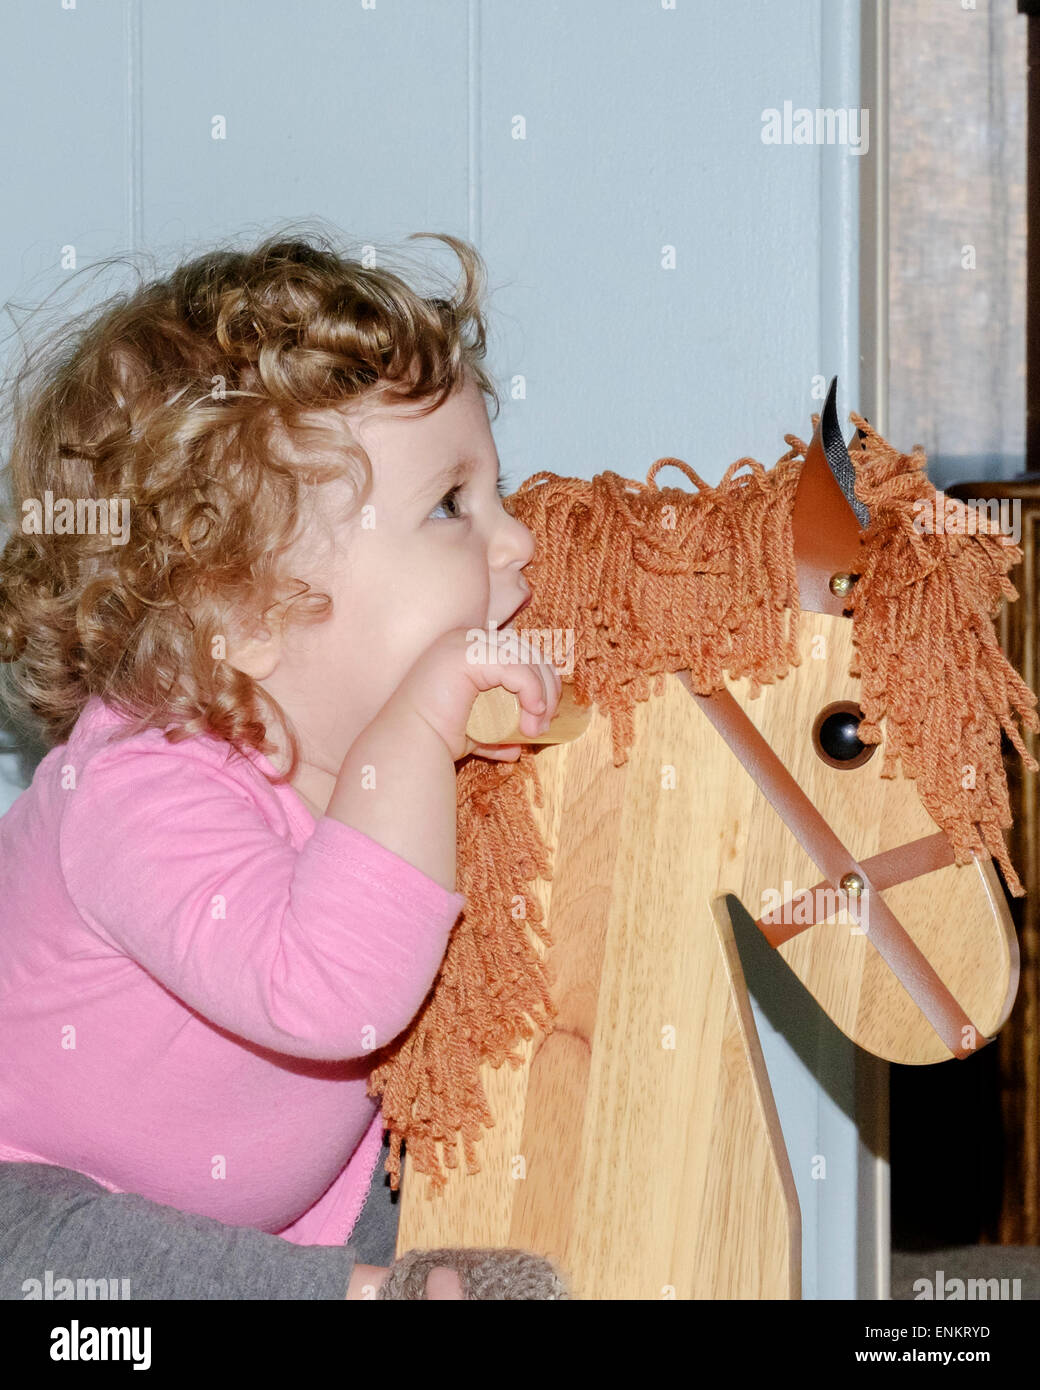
point(653, 580)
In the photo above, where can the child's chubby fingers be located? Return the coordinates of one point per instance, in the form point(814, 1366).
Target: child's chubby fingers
point(533, 684)
point(540, 703)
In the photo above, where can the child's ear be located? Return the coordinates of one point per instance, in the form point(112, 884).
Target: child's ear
point(257, 653)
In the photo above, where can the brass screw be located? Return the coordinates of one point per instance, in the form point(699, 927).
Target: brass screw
point(852, 884)
point(840, 583)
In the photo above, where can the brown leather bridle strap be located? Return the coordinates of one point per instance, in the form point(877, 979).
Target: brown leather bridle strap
point(890, 867)
point(889, 938)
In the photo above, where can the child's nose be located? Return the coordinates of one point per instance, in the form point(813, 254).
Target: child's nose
point(513, 541)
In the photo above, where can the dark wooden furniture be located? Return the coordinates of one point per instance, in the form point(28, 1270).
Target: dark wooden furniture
point(1017, 1220)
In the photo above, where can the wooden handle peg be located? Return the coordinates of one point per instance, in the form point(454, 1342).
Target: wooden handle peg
point(495, 719)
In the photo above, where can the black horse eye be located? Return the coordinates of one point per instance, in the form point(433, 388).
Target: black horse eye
point(836, 736)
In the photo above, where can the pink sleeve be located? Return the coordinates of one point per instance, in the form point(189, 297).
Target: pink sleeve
point(325, 952)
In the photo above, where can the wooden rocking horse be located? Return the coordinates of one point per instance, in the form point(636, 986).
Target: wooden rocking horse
point(648, 1076)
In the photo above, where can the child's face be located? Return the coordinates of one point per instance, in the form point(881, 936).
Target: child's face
point(427, 554)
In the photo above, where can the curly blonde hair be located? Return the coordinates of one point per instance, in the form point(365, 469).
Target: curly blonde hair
point(188, 397)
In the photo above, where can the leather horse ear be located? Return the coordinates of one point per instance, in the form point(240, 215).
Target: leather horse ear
point(837, 453)
point(827, 517)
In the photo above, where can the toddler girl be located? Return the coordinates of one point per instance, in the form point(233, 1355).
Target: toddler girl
point(255, 509)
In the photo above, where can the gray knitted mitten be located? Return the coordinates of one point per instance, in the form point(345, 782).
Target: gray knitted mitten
point(485, 1273)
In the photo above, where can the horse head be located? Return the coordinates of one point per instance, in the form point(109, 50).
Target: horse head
point(914, 957)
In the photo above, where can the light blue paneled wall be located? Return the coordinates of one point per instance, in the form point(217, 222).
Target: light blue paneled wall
point(663, 282)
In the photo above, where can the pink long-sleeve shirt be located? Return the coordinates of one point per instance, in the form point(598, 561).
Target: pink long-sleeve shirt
point(193, 974)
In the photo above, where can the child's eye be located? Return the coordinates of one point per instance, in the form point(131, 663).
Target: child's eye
point(449, 497)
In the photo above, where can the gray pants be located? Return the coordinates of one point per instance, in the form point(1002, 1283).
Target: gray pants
point(59, 1221)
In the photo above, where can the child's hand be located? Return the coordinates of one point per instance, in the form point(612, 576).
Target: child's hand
point(444, 682)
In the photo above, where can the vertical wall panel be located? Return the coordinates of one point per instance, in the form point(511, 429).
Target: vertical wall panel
point(63, 112)
point(643, 131)
point(354, 115)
